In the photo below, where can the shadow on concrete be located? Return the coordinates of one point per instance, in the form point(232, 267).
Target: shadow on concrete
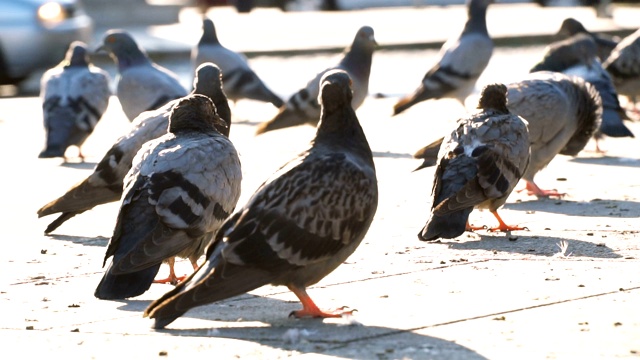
point(595, 207)
point(84, 165)
point(388, 154)
point(82, 240)
point(264, 321)
point(607, 160)
point(538, 246)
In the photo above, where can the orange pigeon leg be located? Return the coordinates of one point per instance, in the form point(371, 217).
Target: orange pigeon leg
point(470, 227)
point(504, 227)
point(533, 189)
point(172, 278)
point(309, 308)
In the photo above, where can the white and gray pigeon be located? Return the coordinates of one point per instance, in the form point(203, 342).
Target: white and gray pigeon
point(303, 108)
point(75, 94)
point(624, 67)
point(571, 26)
point(141, 84)
point(105, 183)
point(479, 165)
point(299, 226)
point(577, 55)
point(181, 188)
point(461, 61)
point(240, 81)
point(562, 111)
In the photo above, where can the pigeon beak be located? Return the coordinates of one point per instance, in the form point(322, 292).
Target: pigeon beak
point(100, 50)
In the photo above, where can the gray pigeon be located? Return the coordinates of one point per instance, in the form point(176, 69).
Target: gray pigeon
point(624, 67)
point(462, 60)
point(180, 189)
point(75, 94)
point(479, 165)
point(571, 26)
point(563, 112)
point(240, 81)
point(303, 108)
point(577, 55)
point(142, 85)
point(105, 184)
point(299, 226)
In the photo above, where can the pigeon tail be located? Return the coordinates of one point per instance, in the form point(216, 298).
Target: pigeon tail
point(448, 226)
point(115, 287)
point(284, 119)
point(613, 126)
point(210, 283)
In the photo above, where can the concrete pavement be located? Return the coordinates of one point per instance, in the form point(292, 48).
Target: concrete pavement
point(568, 288)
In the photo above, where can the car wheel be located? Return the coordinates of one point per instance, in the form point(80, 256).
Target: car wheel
point(5, 79)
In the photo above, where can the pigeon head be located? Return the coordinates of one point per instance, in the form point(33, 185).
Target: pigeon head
point(208, 79)
point(194, 112)
point(568, 28)
point(494, 97)
point(364, 38)
point(335, 90)
point(77, 54)
point(561, 55)
point(209, 35)
point(121, 46)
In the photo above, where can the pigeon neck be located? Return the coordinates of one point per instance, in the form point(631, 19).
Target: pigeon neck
point(341, 128)
point(358, 60)
point(213, 90)
point(133, 57)
point(477, 19)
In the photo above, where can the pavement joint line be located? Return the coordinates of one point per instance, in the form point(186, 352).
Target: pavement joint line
point(401, 331)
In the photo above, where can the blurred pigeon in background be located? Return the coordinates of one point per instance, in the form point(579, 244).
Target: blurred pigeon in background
point(577, 55)
point(75, 94)
point(303, 108)
point(181, 188)
point(105, 184)
point(142, 85)
point(462, 60)
point(240, 81)
point(571, 26)
point(479, 165)
point(299, 226)
point(624, 67)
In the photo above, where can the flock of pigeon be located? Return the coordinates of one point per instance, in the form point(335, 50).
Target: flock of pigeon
point(178, 177)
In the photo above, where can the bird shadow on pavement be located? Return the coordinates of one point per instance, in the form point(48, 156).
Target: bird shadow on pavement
point(607, 160)
point(82, 240)
point(389, 154)
point(264, 320)
point(595, 207)
point(538, 246)
point(85, 165)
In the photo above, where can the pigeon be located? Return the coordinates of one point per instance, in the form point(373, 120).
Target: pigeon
point(240, 81)
point(479, 165)
point(562, 111)
point(303, 108)
point(577, 55)
point(462, 60)
point(571, 26)
point(300, 224)
point(624, 67)
point(75, 94)
point(105, 184)
point(180, 189)
point(141, 84)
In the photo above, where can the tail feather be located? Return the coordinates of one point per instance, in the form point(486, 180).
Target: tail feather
point(60, 220)
point(115, 287)
point(447, 226)
point(82, 197)
point(210, 283)
point(284, 119)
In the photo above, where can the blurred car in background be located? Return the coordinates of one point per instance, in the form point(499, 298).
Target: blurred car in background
point(35, 34)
